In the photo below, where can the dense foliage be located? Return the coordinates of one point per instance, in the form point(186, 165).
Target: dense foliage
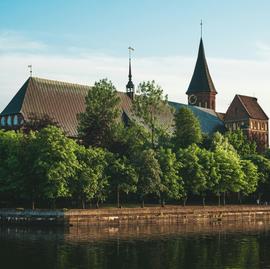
point(139, 160)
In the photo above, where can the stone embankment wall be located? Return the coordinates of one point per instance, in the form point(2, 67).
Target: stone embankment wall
point(124, 216)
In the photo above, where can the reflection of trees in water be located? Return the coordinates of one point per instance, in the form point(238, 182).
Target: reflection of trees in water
point(173, 247)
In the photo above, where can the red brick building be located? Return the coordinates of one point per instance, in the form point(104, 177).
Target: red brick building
point(245, 113)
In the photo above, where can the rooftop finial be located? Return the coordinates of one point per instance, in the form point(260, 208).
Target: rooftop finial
point(201, 27)
point(130, 85)
point(30, 69)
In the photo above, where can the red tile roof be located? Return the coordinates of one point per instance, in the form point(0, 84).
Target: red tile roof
point(252, 107)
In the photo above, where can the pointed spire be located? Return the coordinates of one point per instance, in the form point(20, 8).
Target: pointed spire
point(201, 80)
point(130, 85)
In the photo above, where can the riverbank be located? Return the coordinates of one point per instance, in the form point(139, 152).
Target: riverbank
point(126, 216)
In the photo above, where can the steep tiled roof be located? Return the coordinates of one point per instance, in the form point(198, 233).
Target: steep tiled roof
point(252, 107)
point(201, 80)
point(64, 101)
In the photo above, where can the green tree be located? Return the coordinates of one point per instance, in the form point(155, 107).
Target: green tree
point(91, 181)
point(250, 181)
point(149, 107)
point(149, 174)
point(10, 145)
point(263, 166)
point(96, 124)
point(123, 177)
point(229, 171)
point(56, 162)
point(192, 171)
point(241, 143)
point(172, 185)
point(187, 128)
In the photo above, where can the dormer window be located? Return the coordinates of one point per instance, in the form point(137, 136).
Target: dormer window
point(15, 120)
point(3, 121)
point(9, 121)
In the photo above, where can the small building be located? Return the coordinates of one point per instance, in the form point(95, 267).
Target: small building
point(246, 114)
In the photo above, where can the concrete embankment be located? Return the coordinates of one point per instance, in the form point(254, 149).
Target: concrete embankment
point(125, 216)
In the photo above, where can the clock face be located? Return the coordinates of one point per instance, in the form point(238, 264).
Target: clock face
point(192, 99)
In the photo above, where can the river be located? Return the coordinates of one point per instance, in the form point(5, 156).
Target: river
point(218, 245)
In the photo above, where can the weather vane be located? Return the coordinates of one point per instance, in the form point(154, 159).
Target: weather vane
point(130, 49)
point(30, 69)
point(201, 27)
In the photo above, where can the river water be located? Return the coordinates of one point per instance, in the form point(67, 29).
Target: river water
point(219, 245)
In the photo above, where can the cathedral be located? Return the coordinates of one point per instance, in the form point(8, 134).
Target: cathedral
point(63, 101)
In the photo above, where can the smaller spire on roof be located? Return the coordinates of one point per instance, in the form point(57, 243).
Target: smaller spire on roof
point(130, 85)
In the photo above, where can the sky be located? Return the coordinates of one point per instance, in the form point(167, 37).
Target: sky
point(82, 41)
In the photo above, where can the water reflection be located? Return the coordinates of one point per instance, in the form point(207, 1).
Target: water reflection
point(216, 245)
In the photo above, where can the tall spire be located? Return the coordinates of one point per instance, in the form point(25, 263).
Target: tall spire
point(130, 85)
point(201, 91)
point(201, 79)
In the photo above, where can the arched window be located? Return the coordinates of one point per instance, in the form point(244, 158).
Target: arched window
point(205, 105)
point(9, 121)
point(15, 120)
point(3, 121)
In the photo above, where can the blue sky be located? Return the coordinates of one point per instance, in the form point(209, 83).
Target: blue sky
point(82, 41)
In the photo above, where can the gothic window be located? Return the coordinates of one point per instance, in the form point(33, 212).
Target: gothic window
point(251, 124)
point(205, 104)
point(234, 126)
point(9, 121)
point(200, 104)
point(3, 121)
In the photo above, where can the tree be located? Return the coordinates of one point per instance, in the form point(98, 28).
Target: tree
point(172, 185)
point(123, 177)
point(187, 128)
point(91, 181)
point(241, 143)
point(149, 174)
point(149, 106)
point(129, 140)
point(96, 124)
point(263, 167)
point(229, 171)
point(250, 181)
point(36, 122)
point(192, 171)
point(10, 145)
point(56, 162)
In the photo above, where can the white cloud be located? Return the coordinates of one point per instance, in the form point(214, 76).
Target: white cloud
point(14, 41)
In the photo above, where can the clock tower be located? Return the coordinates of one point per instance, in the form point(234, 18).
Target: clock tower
point(201, 91)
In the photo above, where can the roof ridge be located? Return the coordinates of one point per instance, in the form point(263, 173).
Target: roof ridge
point(59, 81)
